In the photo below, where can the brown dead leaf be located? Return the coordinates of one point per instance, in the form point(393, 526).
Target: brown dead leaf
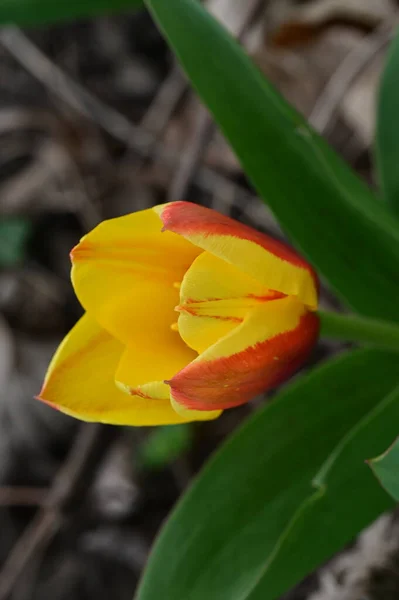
point(301, 75)
point(290, 24)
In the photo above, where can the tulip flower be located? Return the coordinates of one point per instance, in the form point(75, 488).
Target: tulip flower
point(188, 312)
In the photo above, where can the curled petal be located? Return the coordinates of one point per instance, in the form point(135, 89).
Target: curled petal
point(267, 260)
point(266, 348)
point(215, 297)
point(123, 274)
point(80, 382)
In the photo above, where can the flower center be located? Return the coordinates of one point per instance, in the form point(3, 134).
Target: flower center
point(215, 297)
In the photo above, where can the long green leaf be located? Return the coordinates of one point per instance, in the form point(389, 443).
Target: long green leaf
point(230, 523)
point(387, 134)
point(323, 206)
point(386, 469)
point(37, 12)
point(348, 499)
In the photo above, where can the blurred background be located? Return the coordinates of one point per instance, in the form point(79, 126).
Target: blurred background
point(96, 121)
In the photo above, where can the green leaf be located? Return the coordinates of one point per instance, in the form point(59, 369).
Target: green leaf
point(36, 12)
point(387, 134)
point(229, 525)
point(323, 206)
point(14, 232)
point(164, 445)
point(386, 469)
point(348, 498)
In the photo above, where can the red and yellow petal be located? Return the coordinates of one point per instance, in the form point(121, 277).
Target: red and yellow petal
point(123, 274)
point(80, 382)
point(266, 348)
point(268, 261)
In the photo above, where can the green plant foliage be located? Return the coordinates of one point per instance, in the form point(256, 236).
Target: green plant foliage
point(14, 232)
point(37, 12)
point(236, 519)
point(386, 469)
point(346, 501)
point(323, 206)
point(387, 134)
point(164, 445)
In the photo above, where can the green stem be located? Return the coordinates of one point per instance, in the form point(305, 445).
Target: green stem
point(354, 328)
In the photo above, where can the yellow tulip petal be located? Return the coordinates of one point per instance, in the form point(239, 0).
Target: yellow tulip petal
point(144, 367)
point(80, 382)
point(215, 297)
point(267, 347)
point(270, 262)
point(153, 359)
point(194, 415)
point(124, 270)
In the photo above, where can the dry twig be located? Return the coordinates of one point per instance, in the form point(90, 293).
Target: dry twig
point(163, 105)
point(109, 119)
point(22, 496)
point(160, 111)
point(324, 112)
point(192, 154)
point(73, 477)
